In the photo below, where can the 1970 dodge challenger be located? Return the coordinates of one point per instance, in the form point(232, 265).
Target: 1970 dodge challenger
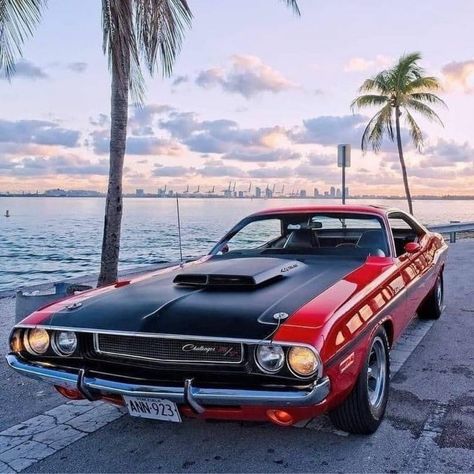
point(292, 314)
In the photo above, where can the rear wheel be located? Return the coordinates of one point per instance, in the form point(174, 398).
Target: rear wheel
point(432, 306)
point(364, 408)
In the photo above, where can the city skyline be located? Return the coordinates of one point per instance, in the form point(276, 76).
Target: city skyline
point(271, 110)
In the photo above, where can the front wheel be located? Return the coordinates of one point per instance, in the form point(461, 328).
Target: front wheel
point(432, 306)
point(364, 408)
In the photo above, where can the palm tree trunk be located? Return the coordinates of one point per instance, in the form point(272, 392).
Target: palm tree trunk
point(113, 205)
point(402, 160)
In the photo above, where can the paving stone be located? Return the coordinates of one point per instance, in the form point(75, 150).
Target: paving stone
point(67, 411)
point(25, 454)
point(8, 442)
point(32, 426)
point(59, 437)
point(5, 468)
point(94, 419)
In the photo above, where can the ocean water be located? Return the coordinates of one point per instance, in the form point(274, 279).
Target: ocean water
point(50, 239)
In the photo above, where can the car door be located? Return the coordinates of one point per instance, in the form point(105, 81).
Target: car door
point(412, 265)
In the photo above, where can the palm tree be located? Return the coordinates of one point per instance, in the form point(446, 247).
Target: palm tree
point(402, 89)
point(135, 33)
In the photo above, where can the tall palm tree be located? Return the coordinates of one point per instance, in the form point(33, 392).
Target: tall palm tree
point(135, 33)
point(400, 90)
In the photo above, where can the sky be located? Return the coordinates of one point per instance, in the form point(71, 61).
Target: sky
point(258, 95)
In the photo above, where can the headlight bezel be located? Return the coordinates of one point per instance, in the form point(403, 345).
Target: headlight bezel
point(27, 343)
point(319, 365)
point(259, 363)
point(55, 345)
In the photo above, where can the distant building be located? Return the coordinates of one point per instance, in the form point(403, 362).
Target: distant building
point(268, 193)
point(338, 193)
point(332, 191)
point(140, 192)
point(241, 194)
point(303, 193)
point(326, 194)
point(316, 192)
point(55, 192)
point(227, 193)
point(347, 192)
point(258, 192)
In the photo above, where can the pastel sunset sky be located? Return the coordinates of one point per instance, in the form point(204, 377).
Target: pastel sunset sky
point(257, 95)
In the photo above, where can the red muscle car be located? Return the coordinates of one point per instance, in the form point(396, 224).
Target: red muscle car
point(292, 314)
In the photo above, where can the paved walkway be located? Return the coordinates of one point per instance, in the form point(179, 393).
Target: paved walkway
point(429, 424)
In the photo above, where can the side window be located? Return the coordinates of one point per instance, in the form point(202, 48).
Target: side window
point(256, 234)
point(403, 231)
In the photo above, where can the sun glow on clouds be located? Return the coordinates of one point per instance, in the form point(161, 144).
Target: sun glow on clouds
point(247, 75)
point(359, 64)
point(459, 76)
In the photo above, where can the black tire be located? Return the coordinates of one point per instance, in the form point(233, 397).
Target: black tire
point(432, 306)
point(361, 412)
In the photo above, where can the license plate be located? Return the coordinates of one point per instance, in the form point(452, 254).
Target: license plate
point(154, 408)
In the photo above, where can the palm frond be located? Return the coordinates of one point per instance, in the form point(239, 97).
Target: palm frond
point(415, 131)
point(369, 100)
point(148, 31)
point(427, 97)
point(379, 83)
point(18, 18)
point(422, 84)
point(293, 4)
point(380, 123)
point(424, 110)
point(160, 27)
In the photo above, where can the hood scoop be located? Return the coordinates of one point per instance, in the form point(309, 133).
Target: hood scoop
point(237, 273)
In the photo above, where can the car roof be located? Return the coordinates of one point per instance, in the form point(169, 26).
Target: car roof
point(348, 209)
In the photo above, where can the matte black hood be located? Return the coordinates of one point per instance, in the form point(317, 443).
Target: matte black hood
point(159, 305)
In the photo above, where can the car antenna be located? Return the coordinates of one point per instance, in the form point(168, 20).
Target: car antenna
point(179, 233)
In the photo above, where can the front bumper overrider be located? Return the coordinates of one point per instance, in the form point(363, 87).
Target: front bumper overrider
point(93, 388)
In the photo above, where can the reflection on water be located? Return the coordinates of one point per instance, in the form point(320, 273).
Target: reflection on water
point(49, 239)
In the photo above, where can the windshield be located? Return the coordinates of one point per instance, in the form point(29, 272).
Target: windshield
point(309, 233)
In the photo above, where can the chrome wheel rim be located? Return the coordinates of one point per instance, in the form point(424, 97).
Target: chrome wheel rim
point(376, 373)
point(439, 293)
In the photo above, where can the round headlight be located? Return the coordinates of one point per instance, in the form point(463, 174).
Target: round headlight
point(64, 343)
point(303, 361)
point(36, 341)
point(270, 357)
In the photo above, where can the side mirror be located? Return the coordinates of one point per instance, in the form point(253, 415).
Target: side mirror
point(224, 249)
point(412, 247)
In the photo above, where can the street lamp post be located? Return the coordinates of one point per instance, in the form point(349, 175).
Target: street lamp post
point(343, 161)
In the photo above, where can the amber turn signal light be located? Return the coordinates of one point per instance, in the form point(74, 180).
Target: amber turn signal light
point(280, 417)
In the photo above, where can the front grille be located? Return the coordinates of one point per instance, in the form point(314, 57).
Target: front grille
point(168, 350)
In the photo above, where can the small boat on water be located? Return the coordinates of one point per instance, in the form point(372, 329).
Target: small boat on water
point(7, 213)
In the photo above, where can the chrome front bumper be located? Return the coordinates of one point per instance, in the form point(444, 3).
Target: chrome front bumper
point(93, 388)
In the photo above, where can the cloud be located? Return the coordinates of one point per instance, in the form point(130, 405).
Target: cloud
point(247, 75)
point(268, 156)
point(171, 171)
point(272, 173)
point(178, 80)
point(221, 136)
point(447, 153)
point(57, 165)
point(27, 70)
point(142, 119)
point(331, 130)
point(359, 64)
point(149, 145)
point(317, 159)
point(153, 146)
point(221, 170)
point(459, 76)
point(78, 67)
point(38, 132)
